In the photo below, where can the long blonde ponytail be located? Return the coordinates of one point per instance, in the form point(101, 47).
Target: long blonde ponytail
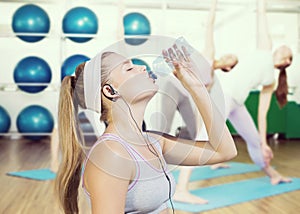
point(68, 176)
point(70, 136)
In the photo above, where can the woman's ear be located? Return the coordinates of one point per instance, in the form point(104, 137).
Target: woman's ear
point(110, 93)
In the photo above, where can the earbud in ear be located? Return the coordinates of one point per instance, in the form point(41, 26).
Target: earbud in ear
point(112, 92)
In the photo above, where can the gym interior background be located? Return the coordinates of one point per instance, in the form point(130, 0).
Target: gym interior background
point(43, 40)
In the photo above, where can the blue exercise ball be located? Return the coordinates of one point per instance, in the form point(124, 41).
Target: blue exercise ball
point(4, 120)
point(69, 65)
point(80, 20)
point(35, 119)
point(35, 70)
point(30, 19)
point(138, 61)
point(136, 24)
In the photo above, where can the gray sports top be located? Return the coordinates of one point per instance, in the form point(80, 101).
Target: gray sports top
point(149, 190)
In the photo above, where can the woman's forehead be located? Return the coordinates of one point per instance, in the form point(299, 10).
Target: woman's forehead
point(113, 60)
point(116, 60)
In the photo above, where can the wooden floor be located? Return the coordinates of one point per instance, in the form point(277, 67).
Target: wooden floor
point(23, 196)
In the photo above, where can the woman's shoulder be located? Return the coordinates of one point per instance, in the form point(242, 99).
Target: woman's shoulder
point(110, 156)
point(110, 144)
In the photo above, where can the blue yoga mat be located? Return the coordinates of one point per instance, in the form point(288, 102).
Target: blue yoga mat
point(241, 191)
point(36, 174)
point(205, 172)
point(199, 173)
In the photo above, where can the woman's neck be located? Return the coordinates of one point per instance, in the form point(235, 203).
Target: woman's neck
point(127, 120)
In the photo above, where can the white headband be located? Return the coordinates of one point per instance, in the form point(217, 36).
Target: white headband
point(92, 84)
point(92, 93)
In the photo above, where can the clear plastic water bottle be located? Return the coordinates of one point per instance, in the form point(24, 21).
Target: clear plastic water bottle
point(200, 63)
point(161, 67)
point(181, 42)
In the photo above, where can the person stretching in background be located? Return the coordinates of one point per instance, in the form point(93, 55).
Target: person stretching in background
point(254, 70)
